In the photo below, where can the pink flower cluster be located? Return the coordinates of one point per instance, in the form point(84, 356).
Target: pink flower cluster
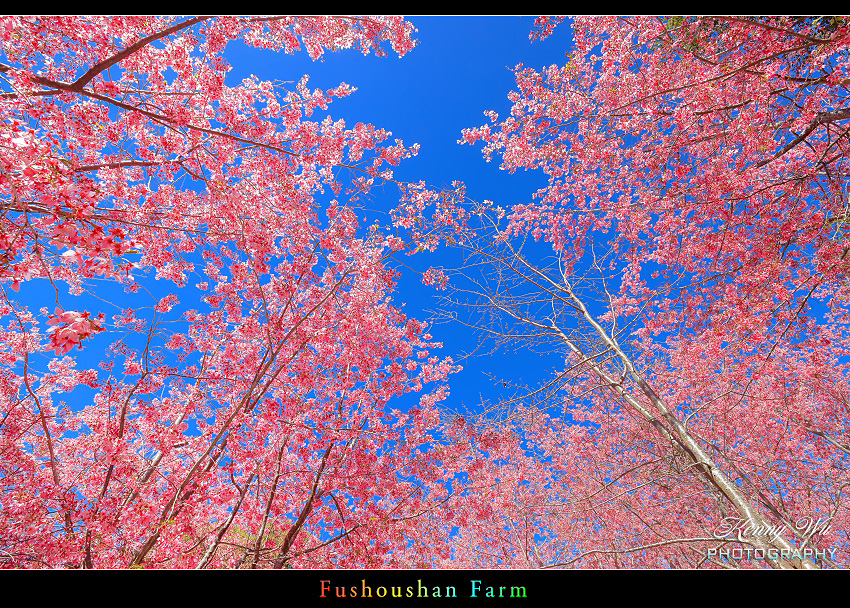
point(436, 277)
point(69, 328)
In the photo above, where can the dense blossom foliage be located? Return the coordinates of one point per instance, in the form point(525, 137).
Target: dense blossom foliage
point(697, 202)
point(240, 416)
point(201, 356)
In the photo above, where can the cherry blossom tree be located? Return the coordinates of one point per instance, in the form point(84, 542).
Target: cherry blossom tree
point(696, 209)
point(239, 413)
point(209, 380)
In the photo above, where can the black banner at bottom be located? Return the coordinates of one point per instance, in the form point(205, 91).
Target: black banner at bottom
point(316, 588)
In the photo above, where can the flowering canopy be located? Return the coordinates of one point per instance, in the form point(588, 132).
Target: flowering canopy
point(241, 416)
point(249, 426)
point(698, 186)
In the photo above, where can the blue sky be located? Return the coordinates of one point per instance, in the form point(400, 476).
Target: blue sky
point(461, 68)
